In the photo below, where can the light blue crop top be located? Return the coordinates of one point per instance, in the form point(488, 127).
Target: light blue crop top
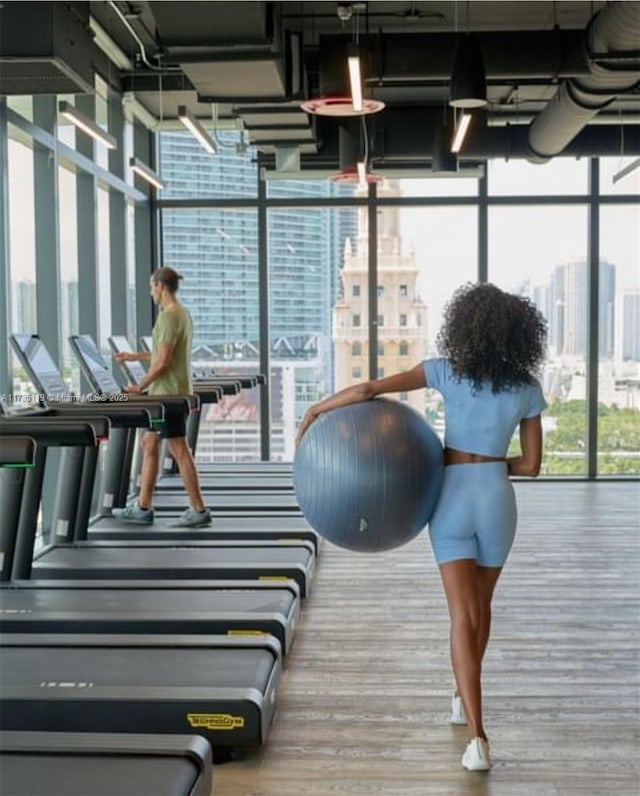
point(480, 421)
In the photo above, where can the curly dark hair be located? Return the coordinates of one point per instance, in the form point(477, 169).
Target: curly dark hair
point(490, 335)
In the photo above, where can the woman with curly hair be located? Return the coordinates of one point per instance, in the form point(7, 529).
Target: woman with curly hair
point(492, 344)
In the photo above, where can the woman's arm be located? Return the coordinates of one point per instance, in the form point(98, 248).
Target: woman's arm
point(413, 379)
point(528, 463)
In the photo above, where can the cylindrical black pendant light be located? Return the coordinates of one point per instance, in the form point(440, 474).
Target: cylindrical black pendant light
point(468, 86)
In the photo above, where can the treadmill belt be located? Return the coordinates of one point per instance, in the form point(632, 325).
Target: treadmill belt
point(187, 672)
point(258, 501)
point(103, 764)
point(210, 611)
point(278, 562)
point(95, 775)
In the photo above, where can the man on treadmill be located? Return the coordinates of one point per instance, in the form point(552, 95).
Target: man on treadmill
point(169, 373)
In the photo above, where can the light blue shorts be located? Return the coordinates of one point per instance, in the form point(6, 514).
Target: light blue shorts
point(476, 514)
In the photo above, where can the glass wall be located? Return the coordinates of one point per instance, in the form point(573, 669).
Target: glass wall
point(104, 268)
point(312, 308)
point(619, 341)
point(68, 273)
point(551, 269)
point(22, 247)
point(305, 293)
point(216, 251)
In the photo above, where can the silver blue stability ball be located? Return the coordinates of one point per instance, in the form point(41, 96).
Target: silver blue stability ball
point(367, 476)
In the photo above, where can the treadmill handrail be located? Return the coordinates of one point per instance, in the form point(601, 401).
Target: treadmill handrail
point(17, 451)
point(51, 433)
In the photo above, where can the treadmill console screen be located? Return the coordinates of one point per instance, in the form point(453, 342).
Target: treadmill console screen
point(39, 364)
point(134, 370)
point(94, 365)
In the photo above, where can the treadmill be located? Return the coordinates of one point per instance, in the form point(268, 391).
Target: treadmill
point(290, 559)
point(220, 686)
point(60, 607)
point(237, 524)
point(228, 480)
point(104, 764)
point(255, 497)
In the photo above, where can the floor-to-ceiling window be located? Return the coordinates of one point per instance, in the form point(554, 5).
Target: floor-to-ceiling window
point(22, 253)
point(428, 243)
point(68, 273)
point(619, 341)
point(316, 311)
point(216, 252)
point(551, 270)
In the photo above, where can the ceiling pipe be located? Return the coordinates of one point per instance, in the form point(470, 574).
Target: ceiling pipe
point(407, 135)
point(611, 48)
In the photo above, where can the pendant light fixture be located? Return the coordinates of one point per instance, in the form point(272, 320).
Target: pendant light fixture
point(86, 124)
point(196, 129)
point(147, 173)
point(342, 68)
point(468, 86)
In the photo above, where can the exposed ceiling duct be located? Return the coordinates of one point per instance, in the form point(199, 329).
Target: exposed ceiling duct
point(404, 139)
point(229, 54)
point(611, 46)
point(46, 48)
point(256, 62)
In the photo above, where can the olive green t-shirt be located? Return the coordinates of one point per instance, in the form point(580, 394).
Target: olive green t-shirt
point(173, 325)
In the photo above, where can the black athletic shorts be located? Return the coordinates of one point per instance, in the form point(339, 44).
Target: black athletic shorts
point(174, 424)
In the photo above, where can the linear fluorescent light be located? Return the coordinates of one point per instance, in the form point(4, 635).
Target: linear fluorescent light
point(194, 127)
point(86, 124)
point(626, 170)
point(142, 170)
point(461, 131)
point(355, 77)
point(109, 47)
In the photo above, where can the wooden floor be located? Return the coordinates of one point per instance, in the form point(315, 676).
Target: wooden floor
point(363, 708)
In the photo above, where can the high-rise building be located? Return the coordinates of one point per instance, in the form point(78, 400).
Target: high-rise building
point(402, 315)
point(568, 311)
point(69, 320)
point(23, 306)
point(631, 325)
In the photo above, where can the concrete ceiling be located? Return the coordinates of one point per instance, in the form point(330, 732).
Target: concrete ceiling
point(251, 64)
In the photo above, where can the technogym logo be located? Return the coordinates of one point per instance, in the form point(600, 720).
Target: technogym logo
point(215, 721)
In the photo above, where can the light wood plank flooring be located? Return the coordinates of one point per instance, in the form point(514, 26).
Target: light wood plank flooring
point(363, 707)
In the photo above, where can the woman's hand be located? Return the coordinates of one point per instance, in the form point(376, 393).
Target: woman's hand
point(307, 420)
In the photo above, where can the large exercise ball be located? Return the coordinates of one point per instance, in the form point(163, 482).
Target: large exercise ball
point(368, 476)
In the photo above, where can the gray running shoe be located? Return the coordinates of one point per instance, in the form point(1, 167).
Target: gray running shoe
point(133, 513)
point(192, 519)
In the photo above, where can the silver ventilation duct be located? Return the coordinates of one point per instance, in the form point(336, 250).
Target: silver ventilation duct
point(611, 43)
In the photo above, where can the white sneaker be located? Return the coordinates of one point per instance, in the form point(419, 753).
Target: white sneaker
point(457, 710)
point(476, 756)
